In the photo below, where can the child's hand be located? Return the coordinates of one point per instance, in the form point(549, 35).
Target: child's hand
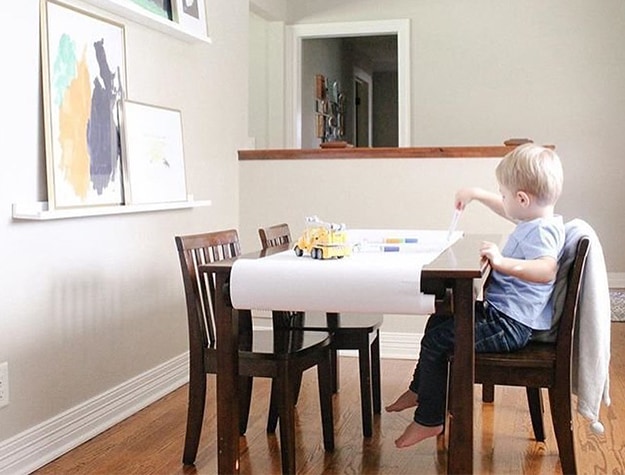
point(490, 251)
point(464, 196)
point(492, 200)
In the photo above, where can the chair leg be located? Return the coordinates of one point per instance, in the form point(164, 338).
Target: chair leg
point(364, 360)
point(488, 392)
point(245, 399)
point(332, 321)
point(334, 362)
point(560, 403)
point(324, 373)
point(286, 414)
point(195, 416)
point(535, 404)
point(297, 387)
point(272, 417)
point(376, 383)
point(450, 396)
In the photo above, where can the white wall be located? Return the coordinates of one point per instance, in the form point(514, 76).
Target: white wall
point(266, 82)
point(258, 83)
point(484, 71)
point(382, 193)
point(269, 9)
point(89, 303)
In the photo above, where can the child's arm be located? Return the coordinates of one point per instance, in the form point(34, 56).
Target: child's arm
point(491, 200)
point(542, 270)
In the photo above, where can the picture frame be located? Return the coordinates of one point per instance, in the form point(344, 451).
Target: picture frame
point(191, 15)
point(160, 8)
point(153, 154)
point(84, 78)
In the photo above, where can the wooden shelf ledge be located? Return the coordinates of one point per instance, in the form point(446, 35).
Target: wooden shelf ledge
point(356, 153)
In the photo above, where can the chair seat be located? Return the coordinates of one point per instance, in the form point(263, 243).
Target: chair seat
point(534, 355)
point(267, 343)
point(272, 347)
point(344, 322)
point(518, 368)
point(532, 366)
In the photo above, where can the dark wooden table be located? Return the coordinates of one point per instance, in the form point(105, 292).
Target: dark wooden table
point(457, 269)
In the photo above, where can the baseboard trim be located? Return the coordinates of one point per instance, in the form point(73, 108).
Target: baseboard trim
point(396, 346)
point(616, 280)
point(400, 346)
point(39, 445)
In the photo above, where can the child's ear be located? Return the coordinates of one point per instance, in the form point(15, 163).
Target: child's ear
point(523, 198)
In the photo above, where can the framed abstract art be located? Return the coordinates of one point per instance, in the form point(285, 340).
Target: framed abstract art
point(84, 78)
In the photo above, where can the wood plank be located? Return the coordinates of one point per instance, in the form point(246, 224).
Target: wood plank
point(356, 153)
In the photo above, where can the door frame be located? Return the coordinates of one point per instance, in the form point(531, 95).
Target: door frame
point(293, 84)
point(361, 76)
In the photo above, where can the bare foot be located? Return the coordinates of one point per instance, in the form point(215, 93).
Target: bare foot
point(415, 433)
point(405, 401)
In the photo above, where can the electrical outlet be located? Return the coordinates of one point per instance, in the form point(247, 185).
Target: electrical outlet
point(4, 384)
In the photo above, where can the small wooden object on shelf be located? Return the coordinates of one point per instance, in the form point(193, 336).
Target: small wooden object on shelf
point(515, 142)
point(335, 144)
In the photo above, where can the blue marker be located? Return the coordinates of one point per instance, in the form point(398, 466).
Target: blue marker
point(389, 248)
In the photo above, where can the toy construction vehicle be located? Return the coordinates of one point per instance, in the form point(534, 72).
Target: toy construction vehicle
point(323, 240)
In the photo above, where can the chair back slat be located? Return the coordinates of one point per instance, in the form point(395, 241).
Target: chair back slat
point(566, 326)
point(275, 235)
point(193, 251)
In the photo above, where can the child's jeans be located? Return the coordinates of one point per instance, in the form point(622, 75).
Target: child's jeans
point(494, 332)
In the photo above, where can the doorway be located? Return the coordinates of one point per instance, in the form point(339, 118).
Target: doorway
point(295, 107)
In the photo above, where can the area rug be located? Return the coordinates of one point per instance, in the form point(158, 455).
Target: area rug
point(617, 302)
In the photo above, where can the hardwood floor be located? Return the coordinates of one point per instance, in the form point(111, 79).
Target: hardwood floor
point(150, 442)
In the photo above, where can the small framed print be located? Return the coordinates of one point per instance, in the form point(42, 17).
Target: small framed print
point(152, 154)
point(191, 15)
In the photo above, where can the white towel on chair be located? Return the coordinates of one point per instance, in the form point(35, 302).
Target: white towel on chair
point(591, 348)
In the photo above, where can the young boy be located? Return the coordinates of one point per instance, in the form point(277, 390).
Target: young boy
point(516, 299)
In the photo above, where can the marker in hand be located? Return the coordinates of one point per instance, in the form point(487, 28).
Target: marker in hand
point(454, 222)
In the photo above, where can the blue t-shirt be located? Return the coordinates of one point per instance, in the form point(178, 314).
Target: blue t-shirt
point(528, 302)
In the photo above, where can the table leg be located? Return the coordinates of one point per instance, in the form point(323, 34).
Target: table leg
point(460, 454)
point(227, 377)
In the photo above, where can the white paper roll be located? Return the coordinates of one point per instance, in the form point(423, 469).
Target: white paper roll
point(366, 282)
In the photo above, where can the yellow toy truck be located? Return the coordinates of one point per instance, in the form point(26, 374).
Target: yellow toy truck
point(323, 240)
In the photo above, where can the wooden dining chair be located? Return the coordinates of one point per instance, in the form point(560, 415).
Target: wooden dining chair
point(281, 355)
point(349, 332)
point(546, 364)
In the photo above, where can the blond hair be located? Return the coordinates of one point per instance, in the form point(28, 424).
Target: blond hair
point(533, 169)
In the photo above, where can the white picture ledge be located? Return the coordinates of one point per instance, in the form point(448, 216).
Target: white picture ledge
point(39, 211)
